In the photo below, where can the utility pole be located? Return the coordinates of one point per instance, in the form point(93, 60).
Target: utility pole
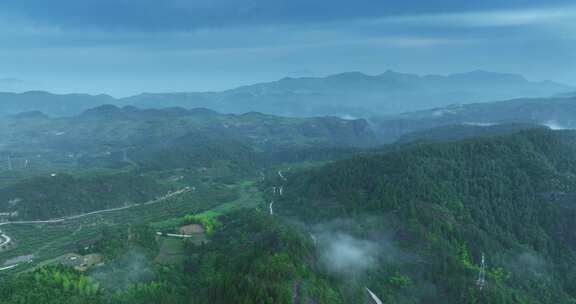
point(482, 274)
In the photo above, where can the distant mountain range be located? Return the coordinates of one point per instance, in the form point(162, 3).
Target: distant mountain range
point(351, 94)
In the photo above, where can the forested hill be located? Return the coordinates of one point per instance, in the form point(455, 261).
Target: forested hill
point(463, 131)
point(443, 205)
point(112, 128)
point(60, 195)
point(556, 113)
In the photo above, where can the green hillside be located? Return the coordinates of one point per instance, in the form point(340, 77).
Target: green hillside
point(50, 197)
point(409, 224)
point(444, 205)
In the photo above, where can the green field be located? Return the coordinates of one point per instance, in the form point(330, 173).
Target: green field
point(250, 197)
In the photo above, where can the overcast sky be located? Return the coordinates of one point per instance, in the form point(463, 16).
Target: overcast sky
point(124, 47)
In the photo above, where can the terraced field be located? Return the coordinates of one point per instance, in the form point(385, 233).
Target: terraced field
point(50, 240)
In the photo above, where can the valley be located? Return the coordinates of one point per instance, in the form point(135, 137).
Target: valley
point(338, 212)
point(287, 152)
point(335, 209)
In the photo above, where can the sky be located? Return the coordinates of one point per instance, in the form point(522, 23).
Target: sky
point(125, 47)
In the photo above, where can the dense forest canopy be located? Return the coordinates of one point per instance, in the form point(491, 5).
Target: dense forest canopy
point(507, 197)
point(409, 223)
point(60, 195)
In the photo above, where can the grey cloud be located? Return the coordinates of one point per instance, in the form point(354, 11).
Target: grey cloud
point(154, 15)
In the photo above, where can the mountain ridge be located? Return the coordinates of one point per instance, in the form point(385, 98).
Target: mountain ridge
point(553, 112)
point(348, 93)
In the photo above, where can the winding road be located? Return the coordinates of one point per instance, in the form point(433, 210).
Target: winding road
point(374, 297)
point(73, 217)
point(7, 240)
point(181, 236)
point(277, 190)
point(271, 207)
point(8, 267)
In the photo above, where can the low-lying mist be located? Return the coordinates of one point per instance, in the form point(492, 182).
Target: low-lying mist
point(131, 268)
point(347, 256)
point(351, 252)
